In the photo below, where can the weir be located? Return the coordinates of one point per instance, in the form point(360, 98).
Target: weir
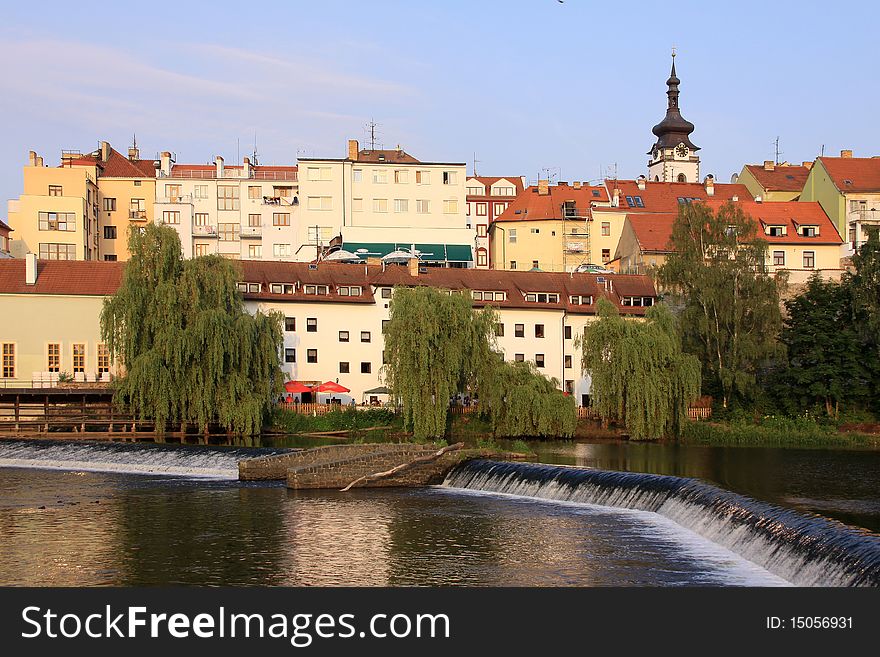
point(185, 461)
point(806, 550)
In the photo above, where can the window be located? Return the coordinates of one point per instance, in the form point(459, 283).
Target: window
point(386, 293)
point(474, 191)
point(380, 205)
point(311, 355)
point(228, 232)
point(500, 208)
point(201, 250)
point(567, 362)
point(535, 231)
point(8, 360)
point(349, 290)
point(343, 336)
point(606, 228)
point(606, 255)
point(482, 258)
point(567, 333)
point(450, 206)
point(357, 205)
point(109, 204)
point(79, 358)
point(423, 177)
point(255, 192)
point(539, 330)
point(320, 203)
point(385, 324)
point(513, 264)
point(482, 209)
point(449, 177)
point(318, 173)
point(170, 216)
point(227, 197)
point(519, 330)
point(290, 323)
point(809, 231)
point(776, 231)
point(65, 221)
point(539, 360)
point(254, 220)
point(423, 206)
point(357, 175)
point(499, 329)
point(779, 258)
point(173, 193)
point(511, 238)
point(682, 178)
point(103, 358)
point(290, 355)
point(280, 218)
point(109, 232)
point(109, 257)
point(380, 176)
point(312, 324)
point(401, 176)
point(519, 358)
point(281, 250)
point(255, 251)
point(482, 230)
point(201, 191)
point(202, 219)
point(503, 191)
point(49, 251)
point(809, 259)
point(365, 336)
point(343, 367)
point(401, 205)
point(366, 368)
point(315, 289)
point(53, 357)
point(535, 264)
point(55, 190)
point(137, 183)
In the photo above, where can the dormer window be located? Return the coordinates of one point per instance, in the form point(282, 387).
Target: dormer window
point(637, 301)
point(281, 288)
point(315, 289)
point(485, 295)
point(542, 297)
point(776, 231)
point(581, 300)
point(349, 291)
point(809, 231)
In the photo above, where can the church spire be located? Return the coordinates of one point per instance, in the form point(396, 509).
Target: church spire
point(673, 129)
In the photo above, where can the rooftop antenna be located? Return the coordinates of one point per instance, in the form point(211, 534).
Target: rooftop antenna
point(238, 149)
point(255, 162)
point(475, 164)
point(778, 152)
point(822, 151)
point(370, 129)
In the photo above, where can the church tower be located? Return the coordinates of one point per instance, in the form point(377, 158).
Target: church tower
point(673, 158)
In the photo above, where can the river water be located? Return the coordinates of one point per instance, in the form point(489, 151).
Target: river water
point(131, 521)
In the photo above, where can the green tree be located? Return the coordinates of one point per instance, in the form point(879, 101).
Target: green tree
point(827, 363)
point(190, 352)
point(731, 316)
point(864, 286)
point(638, 371)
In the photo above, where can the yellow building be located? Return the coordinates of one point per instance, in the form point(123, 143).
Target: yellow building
point(82, 209)
point(775, 182)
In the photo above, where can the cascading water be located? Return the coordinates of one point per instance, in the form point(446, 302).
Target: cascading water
point(806, 550)
point(177, 460)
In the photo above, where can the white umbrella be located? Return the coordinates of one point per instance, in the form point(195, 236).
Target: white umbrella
point(399, 256)
point(342, 256)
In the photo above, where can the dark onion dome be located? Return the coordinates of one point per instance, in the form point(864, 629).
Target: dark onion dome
point(673, 129)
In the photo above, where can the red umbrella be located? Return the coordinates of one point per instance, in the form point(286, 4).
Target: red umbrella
point(296, 387)
point(330, 386)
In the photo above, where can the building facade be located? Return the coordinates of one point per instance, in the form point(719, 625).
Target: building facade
point(487, 199)
point(775, 182)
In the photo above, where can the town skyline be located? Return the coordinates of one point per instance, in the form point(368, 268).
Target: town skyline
point(304, 97)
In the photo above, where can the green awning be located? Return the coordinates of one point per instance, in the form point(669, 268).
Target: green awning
point(427, 252)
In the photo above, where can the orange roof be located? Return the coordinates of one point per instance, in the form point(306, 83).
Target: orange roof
point(116, 166)
point(782, 178)
point(4, 227)
point(664, 196)
point(790, 214)
point(853, 174)
point(529, 205)
point(652, 230)
point(396, 156)
point(75, 277)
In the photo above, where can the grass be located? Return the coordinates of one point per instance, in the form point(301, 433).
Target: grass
point(348, 419)
point(774, 431)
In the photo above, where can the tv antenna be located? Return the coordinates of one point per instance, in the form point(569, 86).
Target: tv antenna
point(372, 133)
point(551, 173)
point(778, 152)
point(255, 162)
point(475, 164)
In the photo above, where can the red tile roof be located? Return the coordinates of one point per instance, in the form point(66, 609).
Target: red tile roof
point(782, 178)
point(75, 277)
point(532, 206)
point(663, 196)
point(391, 156)
point(652, 231)
point(790, 214)
point(5, 227)
point(853, 174)
point(116, 166)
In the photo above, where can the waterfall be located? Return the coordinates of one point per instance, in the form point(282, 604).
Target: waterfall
point(134, 458)
point(804, 549)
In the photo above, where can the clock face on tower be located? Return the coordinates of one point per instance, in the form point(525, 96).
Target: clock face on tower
point(681, 150)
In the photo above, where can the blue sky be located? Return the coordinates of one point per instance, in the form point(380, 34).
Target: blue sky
point(532, 85)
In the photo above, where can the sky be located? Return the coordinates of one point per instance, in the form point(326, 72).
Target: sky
point(570, 89)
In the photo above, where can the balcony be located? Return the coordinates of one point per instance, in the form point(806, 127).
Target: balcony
point(250, 232)
point(204, 231)
point(186, 199)
point(137, 215)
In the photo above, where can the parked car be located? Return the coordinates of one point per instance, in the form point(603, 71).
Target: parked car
point(593, 269)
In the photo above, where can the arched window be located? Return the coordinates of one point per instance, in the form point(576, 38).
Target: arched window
point(682, 178)
point(656, 178)
point(482, 257)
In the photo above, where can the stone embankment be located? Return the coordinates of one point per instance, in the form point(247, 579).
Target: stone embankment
point(337, 466)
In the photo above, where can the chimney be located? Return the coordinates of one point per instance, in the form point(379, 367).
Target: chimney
point(543, 187)
point(709, 182)
point(615, 198)
point(846, 154)
point(165, 164)
point(134, 153)
point(39, 162)
point(218, 161)
point(561, 183)
point(641, 182)
point(246, 169)
point(576, 184)
point(414, 267)
point(374, 261)
point(105, 151)
point(353, 150)
point(768, 165)
point(808, 165)
point(32, 158)
point(734, 198)
point(30, 269)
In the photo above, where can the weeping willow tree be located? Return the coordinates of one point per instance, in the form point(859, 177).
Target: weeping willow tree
point(433, 341)
point(639, 373)
point(520, 401)
point(436, 346)
point(190, 352)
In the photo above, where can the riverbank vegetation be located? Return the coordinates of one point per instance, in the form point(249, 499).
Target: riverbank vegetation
point(344, 419)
